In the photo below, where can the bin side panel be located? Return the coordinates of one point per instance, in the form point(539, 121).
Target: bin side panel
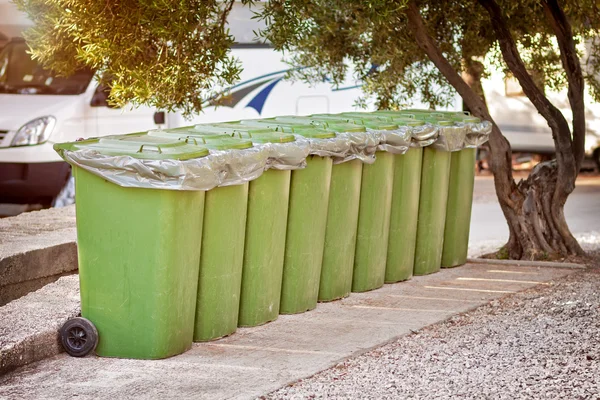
point(340, 236)
point(373, 223)
point(404, 215)
point(307, 218)
point(432, 211)
point(220, 276)
point(268, 200)
point(460, 201)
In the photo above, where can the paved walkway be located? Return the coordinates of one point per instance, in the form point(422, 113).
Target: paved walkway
point(255, 361)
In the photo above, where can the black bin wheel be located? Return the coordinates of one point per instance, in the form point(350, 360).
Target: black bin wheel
point(79, 337)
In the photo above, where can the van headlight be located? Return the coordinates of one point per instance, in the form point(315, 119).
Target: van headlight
point(36, 131)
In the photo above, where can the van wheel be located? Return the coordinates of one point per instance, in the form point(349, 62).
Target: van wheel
point(79, 337)
point(66, 196)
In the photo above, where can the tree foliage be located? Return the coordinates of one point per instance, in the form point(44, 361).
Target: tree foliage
point(163, 53)
point(329, 35)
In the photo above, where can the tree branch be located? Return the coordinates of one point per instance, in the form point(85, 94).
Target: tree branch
point(570, 61)
point(561, 133)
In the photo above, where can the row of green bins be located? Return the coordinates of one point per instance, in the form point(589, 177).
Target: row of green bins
point(266, 225)
point(344, 244)
point(434, 207)
point(138, 283)
point(279, 250)
point(460, 194)
point(373, 214)
point(223, 239)
point(405, 200)
point(460, 197)
point(306, 225)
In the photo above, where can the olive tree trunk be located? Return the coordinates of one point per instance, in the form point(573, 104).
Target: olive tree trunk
point(534, 208)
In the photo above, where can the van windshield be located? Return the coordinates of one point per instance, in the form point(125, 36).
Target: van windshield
point(19, 74)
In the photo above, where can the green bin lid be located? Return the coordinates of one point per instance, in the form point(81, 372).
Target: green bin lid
point(270, 137)
point(415, 114)
point(368, 122)
point(459, 116)
point(208, 140)
point(143, 146)
point(256, 134)
point(464, 118)
point(471, 120)
point(405, 121)
point(440, 122)
point(420, 110)
point(183, 132)
point(309, 131)
point(232, 128)
point(338, 125)
point(227, 143)
point(364, 115)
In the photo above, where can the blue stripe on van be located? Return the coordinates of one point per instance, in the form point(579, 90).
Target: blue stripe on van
point(258, 101)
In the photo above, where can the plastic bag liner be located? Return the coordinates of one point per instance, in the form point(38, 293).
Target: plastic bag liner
point(450, 138)
point(286, 156)
point(219, 168)
point(423, 135)
point(396, 141)
point(346, 146)
point(477, 133)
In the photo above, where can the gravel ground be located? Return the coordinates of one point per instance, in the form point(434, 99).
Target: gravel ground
point(589, 241)
point(543, 343)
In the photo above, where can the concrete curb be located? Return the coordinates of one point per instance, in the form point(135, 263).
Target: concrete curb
point(29, 325)
point(36, 248)
point(523, 263)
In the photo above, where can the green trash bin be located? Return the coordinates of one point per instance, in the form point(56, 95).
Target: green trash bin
point(435, 174)
point(460, 200)
point(223, 239)
point(266, 228)
point(432, 210)
point(373, 223)
point(432, 207)
point(404, 205)
point(460, 192)
point(307, 217)
point(139, 252)
point(460, 197)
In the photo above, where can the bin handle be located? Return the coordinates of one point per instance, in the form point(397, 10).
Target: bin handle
point(187, 140)
point(141, 150)
point(319, 124)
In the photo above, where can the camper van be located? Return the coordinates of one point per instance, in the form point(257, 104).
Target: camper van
point(526, 130)
point(38, 109)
